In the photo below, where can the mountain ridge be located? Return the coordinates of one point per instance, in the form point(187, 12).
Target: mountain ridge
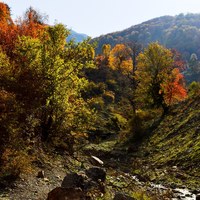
point(78, 37)
point(181, 32)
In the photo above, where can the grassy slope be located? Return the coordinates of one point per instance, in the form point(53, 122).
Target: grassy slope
point(176, 142)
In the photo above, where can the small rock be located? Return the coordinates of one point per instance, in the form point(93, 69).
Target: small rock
point(58, 177)
point(41, 174)
point(174, 167)
point(96, 174)
point(46, 179)
point(96, 161)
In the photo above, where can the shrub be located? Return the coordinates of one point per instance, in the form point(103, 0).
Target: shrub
point(96, 103)
point(16, 162)
point(194, 88)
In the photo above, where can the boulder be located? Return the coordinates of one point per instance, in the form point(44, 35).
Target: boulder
point(75, 186)
point(122, 196)
point(97, 174)
point(60, 193)
point(73, 180)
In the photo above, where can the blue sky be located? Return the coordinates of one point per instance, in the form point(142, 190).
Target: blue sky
point(97, 17)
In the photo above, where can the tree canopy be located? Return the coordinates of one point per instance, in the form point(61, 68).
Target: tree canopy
point(160, 82)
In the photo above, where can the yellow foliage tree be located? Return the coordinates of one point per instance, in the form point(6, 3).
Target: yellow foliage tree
point(120, 59)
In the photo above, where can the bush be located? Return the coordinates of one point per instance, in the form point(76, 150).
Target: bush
point(141, 122)
point(194, 88)
point(15, 162)
point(96, 103)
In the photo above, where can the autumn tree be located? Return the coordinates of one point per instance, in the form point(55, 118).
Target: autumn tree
point(46, 78)
point(160, 83)
point(32, 24)
point(106, 50)
point(173, 89)
point(8, 33)
point(100, 74)
point(49, 76)
point(135, 49)
point(41, 82)
point(120, 60)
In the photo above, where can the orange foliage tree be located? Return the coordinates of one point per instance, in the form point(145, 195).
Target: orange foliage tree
point(174, 89)
point(7, 29)
point(31, 25)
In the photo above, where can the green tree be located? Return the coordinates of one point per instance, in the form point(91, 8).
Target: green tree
point(41, 82)
point(194, 88)
point(47, 79)
point(155, 73)
point(122, 61)
point(63, 64)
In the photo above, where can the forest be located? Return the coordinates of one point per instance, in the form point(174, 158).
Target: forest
point(169, 31)
point(126, 103)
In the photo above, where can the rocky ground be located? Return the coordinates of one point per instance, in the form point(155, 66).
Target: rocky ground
point(30, 186)
point(122, 177)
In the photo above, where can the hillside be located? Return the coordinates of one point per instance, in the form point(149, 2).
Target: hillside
point(172, 150)
point(169, 153)
point(181, 32)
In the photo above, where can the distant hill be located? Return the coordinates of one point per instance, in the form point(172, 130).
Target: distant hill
point(181, 32)
point(78, 37)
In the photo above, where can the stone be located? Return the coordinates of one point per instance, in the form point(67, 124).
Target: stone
point(195, 192)
point(198, 197)
point(58, 177)
point(96, 161)
point(188, 195)
point(122, 196)
point(41, 174)
point(96, 174)
point(46, 179)
point(75, 186)
point(73, 180)
point(174, 168)
point(60, 193)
